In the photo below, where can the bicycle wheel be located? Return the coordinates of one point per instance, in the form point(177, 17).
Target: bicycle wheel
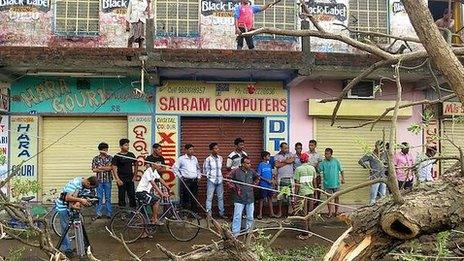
point(129, 224)
point(56, 225)
point(184, 225)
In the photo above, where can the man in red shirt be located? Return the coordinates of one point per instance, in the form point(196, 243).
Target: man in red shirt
point(244, 16)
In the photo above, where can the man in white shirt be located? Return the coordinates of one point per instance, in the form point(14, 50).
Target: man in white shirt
point(136, 17)
point(212, 169)
point(235, 157)
point(188, 169)
point(425, 165)
point(144, 191)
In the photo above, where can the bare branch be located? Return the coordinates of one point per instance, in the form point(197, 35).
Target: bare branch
point(406, 39)
point(392, 183)
point(311, 18)
point(388, 110)
point(121, 240)
point(325, 35)
point(337, 194)
point(168, 253)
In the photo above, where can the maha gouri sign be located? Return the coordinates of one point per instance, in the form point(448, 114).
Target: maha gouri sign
point(202, 98)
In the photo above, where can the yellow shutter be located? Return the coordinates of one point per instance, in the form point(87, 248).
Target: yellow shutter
point(72, 156)
point(348, 149)
point(455, 131)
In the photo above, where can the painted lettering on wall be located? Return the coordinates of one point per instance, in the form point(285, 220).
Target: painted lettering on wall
point(338, 11)
point(209, 7)
point(167, 135)
point(23, 145)
point(140, 137)
point(453, 108)
point(55, 95)
point(397, 7)
point(276, 133)
point(327, 13)
point(111, 5)
point(205, 98)
point(37, 5)
point(4, 135)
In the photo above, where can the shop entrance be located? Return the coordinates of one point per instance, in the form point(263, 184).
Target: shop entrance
point(201, 131)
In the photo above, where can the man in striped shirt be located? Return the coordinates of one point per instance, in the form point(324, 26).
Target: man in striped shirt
point(101, 166)
point(212, 169)
point(62, 204)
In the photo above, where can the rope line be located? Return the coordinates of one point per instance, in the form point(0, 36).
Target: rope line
point(241, 183)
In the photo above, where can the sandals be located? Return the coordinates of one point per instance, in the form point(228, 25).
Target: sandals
point(304, 237)
point(96, 217)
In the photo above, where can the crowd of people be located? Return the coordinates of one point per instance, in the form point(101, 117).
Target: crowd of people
point(304, 175)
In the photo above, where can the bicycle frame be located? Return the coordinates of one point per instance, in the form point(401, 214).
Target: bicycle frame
point(142, 209)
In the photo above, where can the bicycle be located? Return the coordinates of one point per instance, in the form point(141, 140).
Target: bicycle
point(37, 210)
point(183, 225)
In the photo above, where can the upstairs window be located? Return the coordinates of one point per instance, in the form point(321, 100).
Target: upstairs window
point(178, 18)
point(282, 15)
point(77, 17)
point(369, 15)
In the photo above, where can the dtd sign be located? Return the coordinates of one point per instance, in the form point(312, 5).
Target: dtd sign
point(276, 133)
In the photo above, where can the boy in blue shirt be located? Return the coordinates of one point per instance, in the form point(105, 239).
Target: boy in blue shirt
point(265, 173)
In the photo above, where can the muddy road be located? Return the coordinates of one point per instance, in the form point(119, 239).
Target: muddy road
point(106, 248)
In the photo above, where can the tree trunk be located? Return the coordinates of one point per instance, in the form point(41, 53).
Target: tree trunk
point(439, 50)
point(378, 229)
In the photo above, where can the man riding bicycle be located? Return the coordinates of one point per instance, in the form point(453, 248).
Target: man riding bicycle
point(68, 199)
point(144, 192)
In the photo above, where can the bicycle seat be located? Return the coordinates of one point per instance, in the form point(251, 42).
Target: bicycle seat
point(27, 199)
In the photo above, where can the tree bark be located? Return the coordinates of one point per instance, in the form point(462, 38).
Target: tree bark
point(439, 50)
point(378, 229)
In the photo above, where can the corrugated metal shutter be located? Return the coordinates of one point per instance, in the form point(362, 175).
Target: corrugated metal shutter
point(455, 131)
point(348, 147)
point(72, 156)
point(202, 131)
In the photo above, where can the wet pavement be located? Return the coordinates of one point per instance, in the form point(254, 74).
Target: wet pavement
point(106, 248)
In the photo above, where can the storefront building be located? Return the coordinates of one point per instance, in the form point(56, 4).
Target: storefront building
point(312, 120)
point(201, 112)
point(451, 131)
point(67, 118)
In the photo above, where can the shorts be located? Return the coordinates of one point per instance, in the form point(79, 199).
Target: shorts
point(287, 182)
point(264, 194)
point(331, 190)
point(146, 198)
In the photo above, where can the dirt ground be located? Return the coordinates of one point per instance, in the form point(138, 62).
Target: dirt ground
point(106, 248)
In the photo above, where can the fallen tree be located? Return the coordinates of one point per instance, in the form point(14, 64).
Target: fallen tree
point(378, 229)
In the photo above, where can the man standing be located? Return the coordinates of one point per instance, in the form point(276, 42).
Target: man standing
point(235, 157)
point(298, 154)
point(304, 183)
point(314, 159)
point(188, 171)
point(212, 169)
point(243, 197)
point(284, 163)
point(374, 162)
point(125, 172)
point(157, 158)
point(332, 173)
point(101, 166)
point(446, 24)
point(403, 166)
point(244, 17)
point(136, 17)
point(425, 165)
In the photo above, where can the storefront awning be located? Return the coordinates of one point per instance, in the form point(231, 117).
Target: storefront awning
point(356, 108)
